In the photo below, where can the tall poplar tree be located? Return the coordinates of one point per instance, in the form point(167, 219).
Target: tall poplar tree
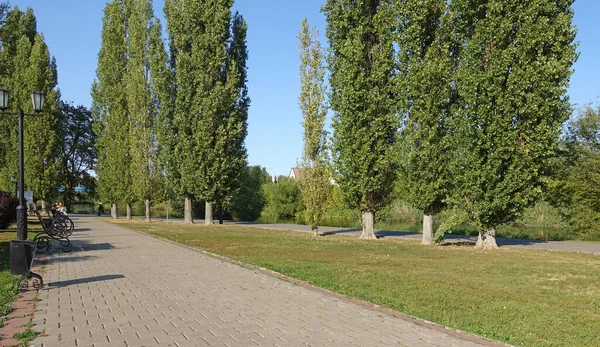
point(163, 92)
point(41, 174)
point(186, 20)
point(26, 66)
point(141, 107)
point(226, 130)
point(365, 120)
point(110, 109)
point(314, 179)
point(512, 82)
point(208, 53)
point(424, 81)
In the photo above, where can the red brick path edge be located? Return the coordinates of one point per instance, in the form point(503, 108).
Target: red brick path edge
point(23, 308)
point(364, 304)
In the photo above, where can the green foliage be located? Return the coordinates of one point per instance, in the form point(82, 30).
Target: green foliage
point(365, 120)
point(513, 69)
point(27, 336)
point(575, 187)
point(109, 108)
point(425, 66)
point(209, 124)
point(26, 66)
point(163, 91)
point(315, 172)
point(249, 202)
point(76, 152)
point(8, 209)
point(141, 105)
point(284, 197)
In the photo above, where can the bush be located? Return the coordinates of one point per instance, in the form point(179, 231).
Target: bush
point(8, 209)
point(249, 202)
point(284, 197)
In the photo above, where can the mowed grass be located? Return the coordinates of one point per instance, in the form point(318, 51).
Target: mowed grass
point(519, 296)
point(8, 290)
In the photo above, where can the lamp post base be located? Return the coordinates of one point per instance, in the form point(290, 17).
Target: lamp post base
point(21, 222)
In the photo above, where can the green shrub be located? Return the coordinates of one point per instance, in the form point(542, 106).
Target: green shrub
point(284, 197)
point(8, 209)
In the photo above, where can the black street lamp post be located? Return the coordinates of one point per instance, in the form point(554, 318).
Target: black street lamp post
point(37, 99)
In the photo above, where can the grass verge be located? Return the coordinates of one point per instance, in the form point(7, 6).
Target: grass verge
point(519, 296)
point(8, 291)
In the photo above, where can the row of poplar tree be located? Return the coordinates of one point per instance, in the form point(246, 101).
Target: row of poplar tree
point(171, 119)
point(58, 143)
point(452, 102)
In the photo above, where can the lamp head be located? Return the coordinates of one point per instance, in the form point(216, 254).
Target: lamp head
point(3, 99)
point(37, 99)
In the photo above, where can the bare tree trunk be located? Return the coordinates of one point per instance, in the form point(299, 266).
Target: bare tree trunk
point(129, 211)
point(368, 233)
point(208, 214)
point(148, 218)
point(44, 206)
point(315, 231)
point(187, 213)
point(113, 211)
point(489, 242)
point(427, 228)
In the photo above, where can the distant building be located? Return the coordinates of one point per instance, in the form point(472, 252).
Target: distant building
point(295, 173)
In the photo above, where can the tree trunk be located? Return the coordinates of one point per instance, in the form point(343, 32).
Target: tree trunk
point(221, 214)
point(368, 233)
point(427, 228)
point(187, 213)
point(43, 206)
point(67, 203)
point(113, 211)
point(148, 218)
point(479, 243)
point(489, 241)
point(315, 231)
point(208, 214)
point(129, 211)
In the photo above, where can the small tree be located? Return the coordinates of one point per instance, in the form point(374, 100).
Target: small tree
point(314, 180)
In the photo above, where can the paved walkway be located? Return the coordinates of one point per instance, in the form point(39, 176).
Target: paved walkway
point(122, 288)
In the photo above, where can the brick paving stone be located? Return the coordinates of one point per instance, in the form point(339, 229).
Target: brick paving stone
point(122, 288)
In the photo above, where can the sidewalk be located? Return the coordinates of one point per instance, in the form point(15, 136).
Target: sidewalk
point(123, 288)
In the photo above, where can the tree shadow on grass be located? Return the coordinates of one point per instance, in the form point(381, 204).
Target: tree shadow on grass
point(341, 231)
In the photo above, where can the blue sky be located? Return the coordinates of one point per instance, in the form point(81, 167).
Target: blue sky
point(72, 31)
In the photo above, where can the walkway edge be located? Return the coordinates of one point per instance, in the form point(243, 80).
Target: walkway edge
point(364, 304)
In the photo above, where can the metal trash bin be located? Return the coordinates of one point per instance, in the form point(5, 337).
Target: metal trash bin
point(21, 259)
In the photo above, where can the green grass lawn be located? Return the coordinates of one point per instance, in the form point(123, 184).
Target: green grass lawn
point(7, 281)
point(519, 296)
